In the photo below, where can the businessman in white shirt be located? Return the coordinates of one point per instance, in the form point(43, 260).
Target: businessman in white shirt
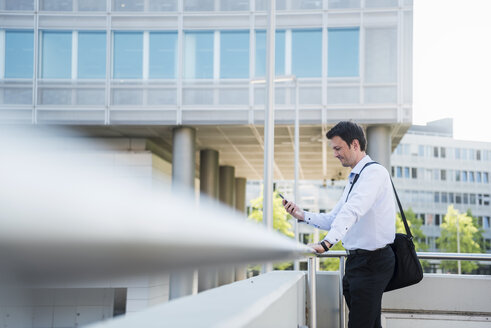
point(364, 220)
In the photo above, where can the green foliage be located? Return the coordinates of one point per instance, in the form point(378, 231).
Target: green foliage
point(448, 239)
point(281, 219)
point(415, 226)
point(281, 222)
point(419, 238)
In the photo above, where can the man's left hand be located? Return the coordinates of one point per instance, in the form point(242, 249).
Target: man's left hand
point(317, 247)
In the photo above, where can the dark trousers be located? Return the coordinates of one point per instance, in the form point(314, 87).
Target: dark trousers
point(365, 279)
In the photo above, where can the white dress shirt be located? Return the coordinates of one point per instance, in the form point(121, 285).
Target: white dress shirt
point(367, 219)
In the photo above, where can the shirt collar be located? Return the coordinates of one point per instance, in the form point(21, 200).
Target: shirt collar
point(359, 166)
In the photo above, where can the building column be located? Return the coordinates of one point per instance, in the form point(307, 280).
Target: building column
point(240, 194)
point(226, 190)
point(183, 173)
point(379, 144)
point(226, 194)
point(208, 176)
point(208, 172)
point(240, 206)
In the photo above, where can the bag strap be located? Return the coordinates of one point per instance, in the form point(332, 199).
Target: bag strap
point(403, 216)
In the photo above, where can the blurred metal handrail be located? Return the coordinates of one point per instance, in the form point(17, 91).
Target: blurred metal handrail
point(429, 255)
point(421, 255)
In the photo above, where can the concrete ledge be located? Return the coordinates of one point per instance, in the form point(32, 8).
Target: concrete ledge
point(275, 299)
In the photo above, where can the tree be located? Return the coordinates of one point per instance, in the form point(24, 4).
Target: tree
point(447, 241)
point(414, 224)
point(419, 238)
point(281, 222)
point(478, 236)
point(281, 219)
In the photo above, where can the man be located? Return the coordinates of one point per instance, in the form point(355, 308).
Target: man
point(364, 219)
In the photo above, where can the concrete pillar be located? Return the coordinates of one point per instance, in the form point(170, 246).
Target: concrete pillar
point(240, 206)
point(226, 190)
point(379, 144)
point(240, 194)
point(183, 168)
point(226, 194)
point(208, 176)
point(183, 156)
point(208, 172)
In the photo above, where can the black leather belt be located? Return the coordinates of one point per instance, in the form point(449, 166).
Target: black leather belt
point(364, 251)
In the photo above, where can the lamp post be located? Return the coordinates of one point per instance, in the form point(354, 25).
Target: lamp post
point(269, 155)
point(458, 244)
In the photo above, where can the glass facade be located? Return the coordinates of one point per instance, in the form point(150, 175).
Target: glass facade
point(56, 55)
point(19, 54)
point(260, 59)
point(163, 55)
point(307, 53)
point(128, 55)
point(91, 55)
point(343, 52)
point(234, 54)
point(198, 55)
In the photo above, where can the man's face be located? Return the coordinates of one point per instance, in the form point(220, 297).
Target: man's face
point(346, 155)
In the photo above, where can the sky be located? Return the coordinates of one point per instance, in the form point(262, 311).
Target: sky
point(452, 65)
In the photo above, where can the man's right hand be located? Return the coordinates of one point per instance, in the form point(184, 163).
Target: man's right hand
point(294, 210)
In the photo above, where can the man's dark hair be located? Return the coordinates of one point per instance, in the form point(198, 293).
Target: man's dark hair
point(348, 131)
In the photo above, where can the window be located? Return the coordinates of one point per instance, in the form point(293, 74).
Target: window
point(128, 55)
point(437, 197)
point(198, 55)
point(56, 60)
point(306, 53)
point(279, 53)
point(485, 177)
point(478, 177)
point(458, 198)
point(442, 152)
point(478, 155)
point(457, 153)
point(19, 54)
point(399, 172)
point(162, 55)
point(485, 222)
point(414, 172)
point(444, 198)
point(406, 172)
point(443, 175)
point(421, 150)
point(465, 198)
point(450, 197)
point(234, 54)
point(485, 201)
point(91, 55)
point(56, 5)
point(19, 4)
point(479, 199)
point(471, 176)
point(392, 171)
point(436, 174)
point(472, 199)
point(457, 175)
point(435, 151)
point(464, 176)
point(342, 56)
point(464, 153)
point(437, 219)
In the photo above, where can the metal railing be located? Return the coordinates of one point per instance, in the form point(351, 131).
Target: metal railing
point(312, 270)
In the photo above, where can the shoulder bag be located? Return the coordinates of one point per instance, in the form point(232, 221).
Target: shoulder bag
point(407, 270)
